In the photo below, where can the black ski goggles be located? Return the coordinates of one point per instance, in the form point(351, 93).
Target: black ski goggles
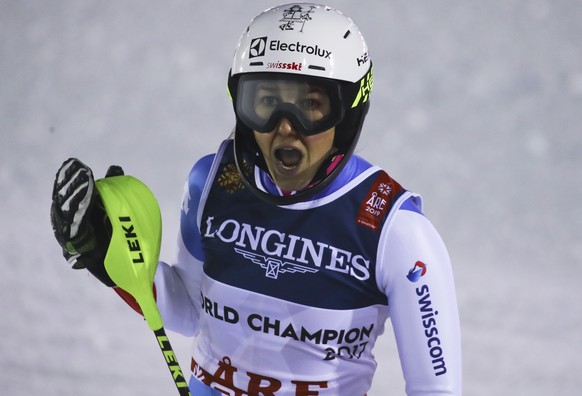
point(312, 105)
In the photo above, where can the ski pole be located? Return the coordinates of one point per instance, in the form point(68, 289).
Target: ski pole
point(133, 253)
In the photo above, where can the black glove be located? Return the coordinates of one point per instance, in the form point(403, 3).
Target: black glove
point(79, 221)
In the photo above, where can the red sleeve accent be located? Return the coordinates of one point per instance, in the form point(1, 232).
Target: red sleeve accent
point(128, 298)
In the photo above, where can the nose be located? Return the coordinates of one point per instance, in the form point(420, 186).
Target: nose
point(284, 128)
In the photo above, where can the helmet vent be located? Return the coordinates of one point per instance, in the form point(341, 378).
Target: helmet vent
point(256, 64)
point(347, 34)
point(315, 67)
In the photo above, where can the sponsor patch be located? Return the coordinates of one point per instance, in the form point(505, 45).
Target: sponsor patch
point(378, 201)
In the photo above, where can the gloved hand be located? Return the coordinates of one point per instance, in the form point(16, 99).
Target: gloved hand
point(78, 218)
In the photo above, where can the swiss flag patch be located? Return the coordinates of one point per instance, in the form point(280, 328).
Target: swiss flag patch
point(378, 201)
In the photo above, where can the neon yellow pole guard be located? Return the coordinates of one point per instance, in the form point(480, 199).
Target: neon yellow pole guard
point(134, 250)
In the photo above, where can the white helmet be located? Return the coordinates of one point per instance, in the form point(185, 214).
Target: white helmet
point(307, 39)
point(306, 42)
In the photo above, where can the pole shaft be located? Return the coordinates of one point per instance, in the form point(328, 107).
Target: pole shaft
point(172, 362)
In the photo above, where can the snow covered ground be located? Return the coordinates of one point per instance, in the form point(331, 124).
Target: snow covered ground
point(476, 105)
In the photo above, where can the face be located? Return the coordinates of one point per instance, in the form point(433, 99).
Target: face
point(292, 158)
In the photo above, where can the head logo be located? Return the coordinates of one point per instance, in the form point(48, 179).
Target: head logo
point(417, 271)
point(366, 84)
point(295, 16)
point(363, 59)
point(257, 47)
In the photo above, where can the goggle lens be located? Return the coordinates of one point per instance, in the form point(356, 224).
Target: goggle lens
point(311, 105)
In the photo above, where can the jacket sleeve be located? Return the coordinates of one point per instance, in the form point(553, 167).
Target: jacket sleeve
point(415, 273)
point(177, 283)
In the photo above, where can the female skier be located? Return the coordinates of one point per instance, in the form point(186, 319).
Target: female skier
point(293, 251)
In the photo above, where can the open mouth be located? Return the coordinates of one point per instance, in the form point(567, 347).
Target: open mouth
point(288, 157)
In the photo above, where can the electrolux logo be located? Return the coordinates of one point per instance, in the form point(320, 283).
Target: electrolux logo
point(276, 45)
point(257, 47)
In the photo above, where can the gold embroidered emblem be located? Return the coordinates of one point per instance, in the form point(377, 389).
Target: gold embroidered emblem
point(229, 179)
